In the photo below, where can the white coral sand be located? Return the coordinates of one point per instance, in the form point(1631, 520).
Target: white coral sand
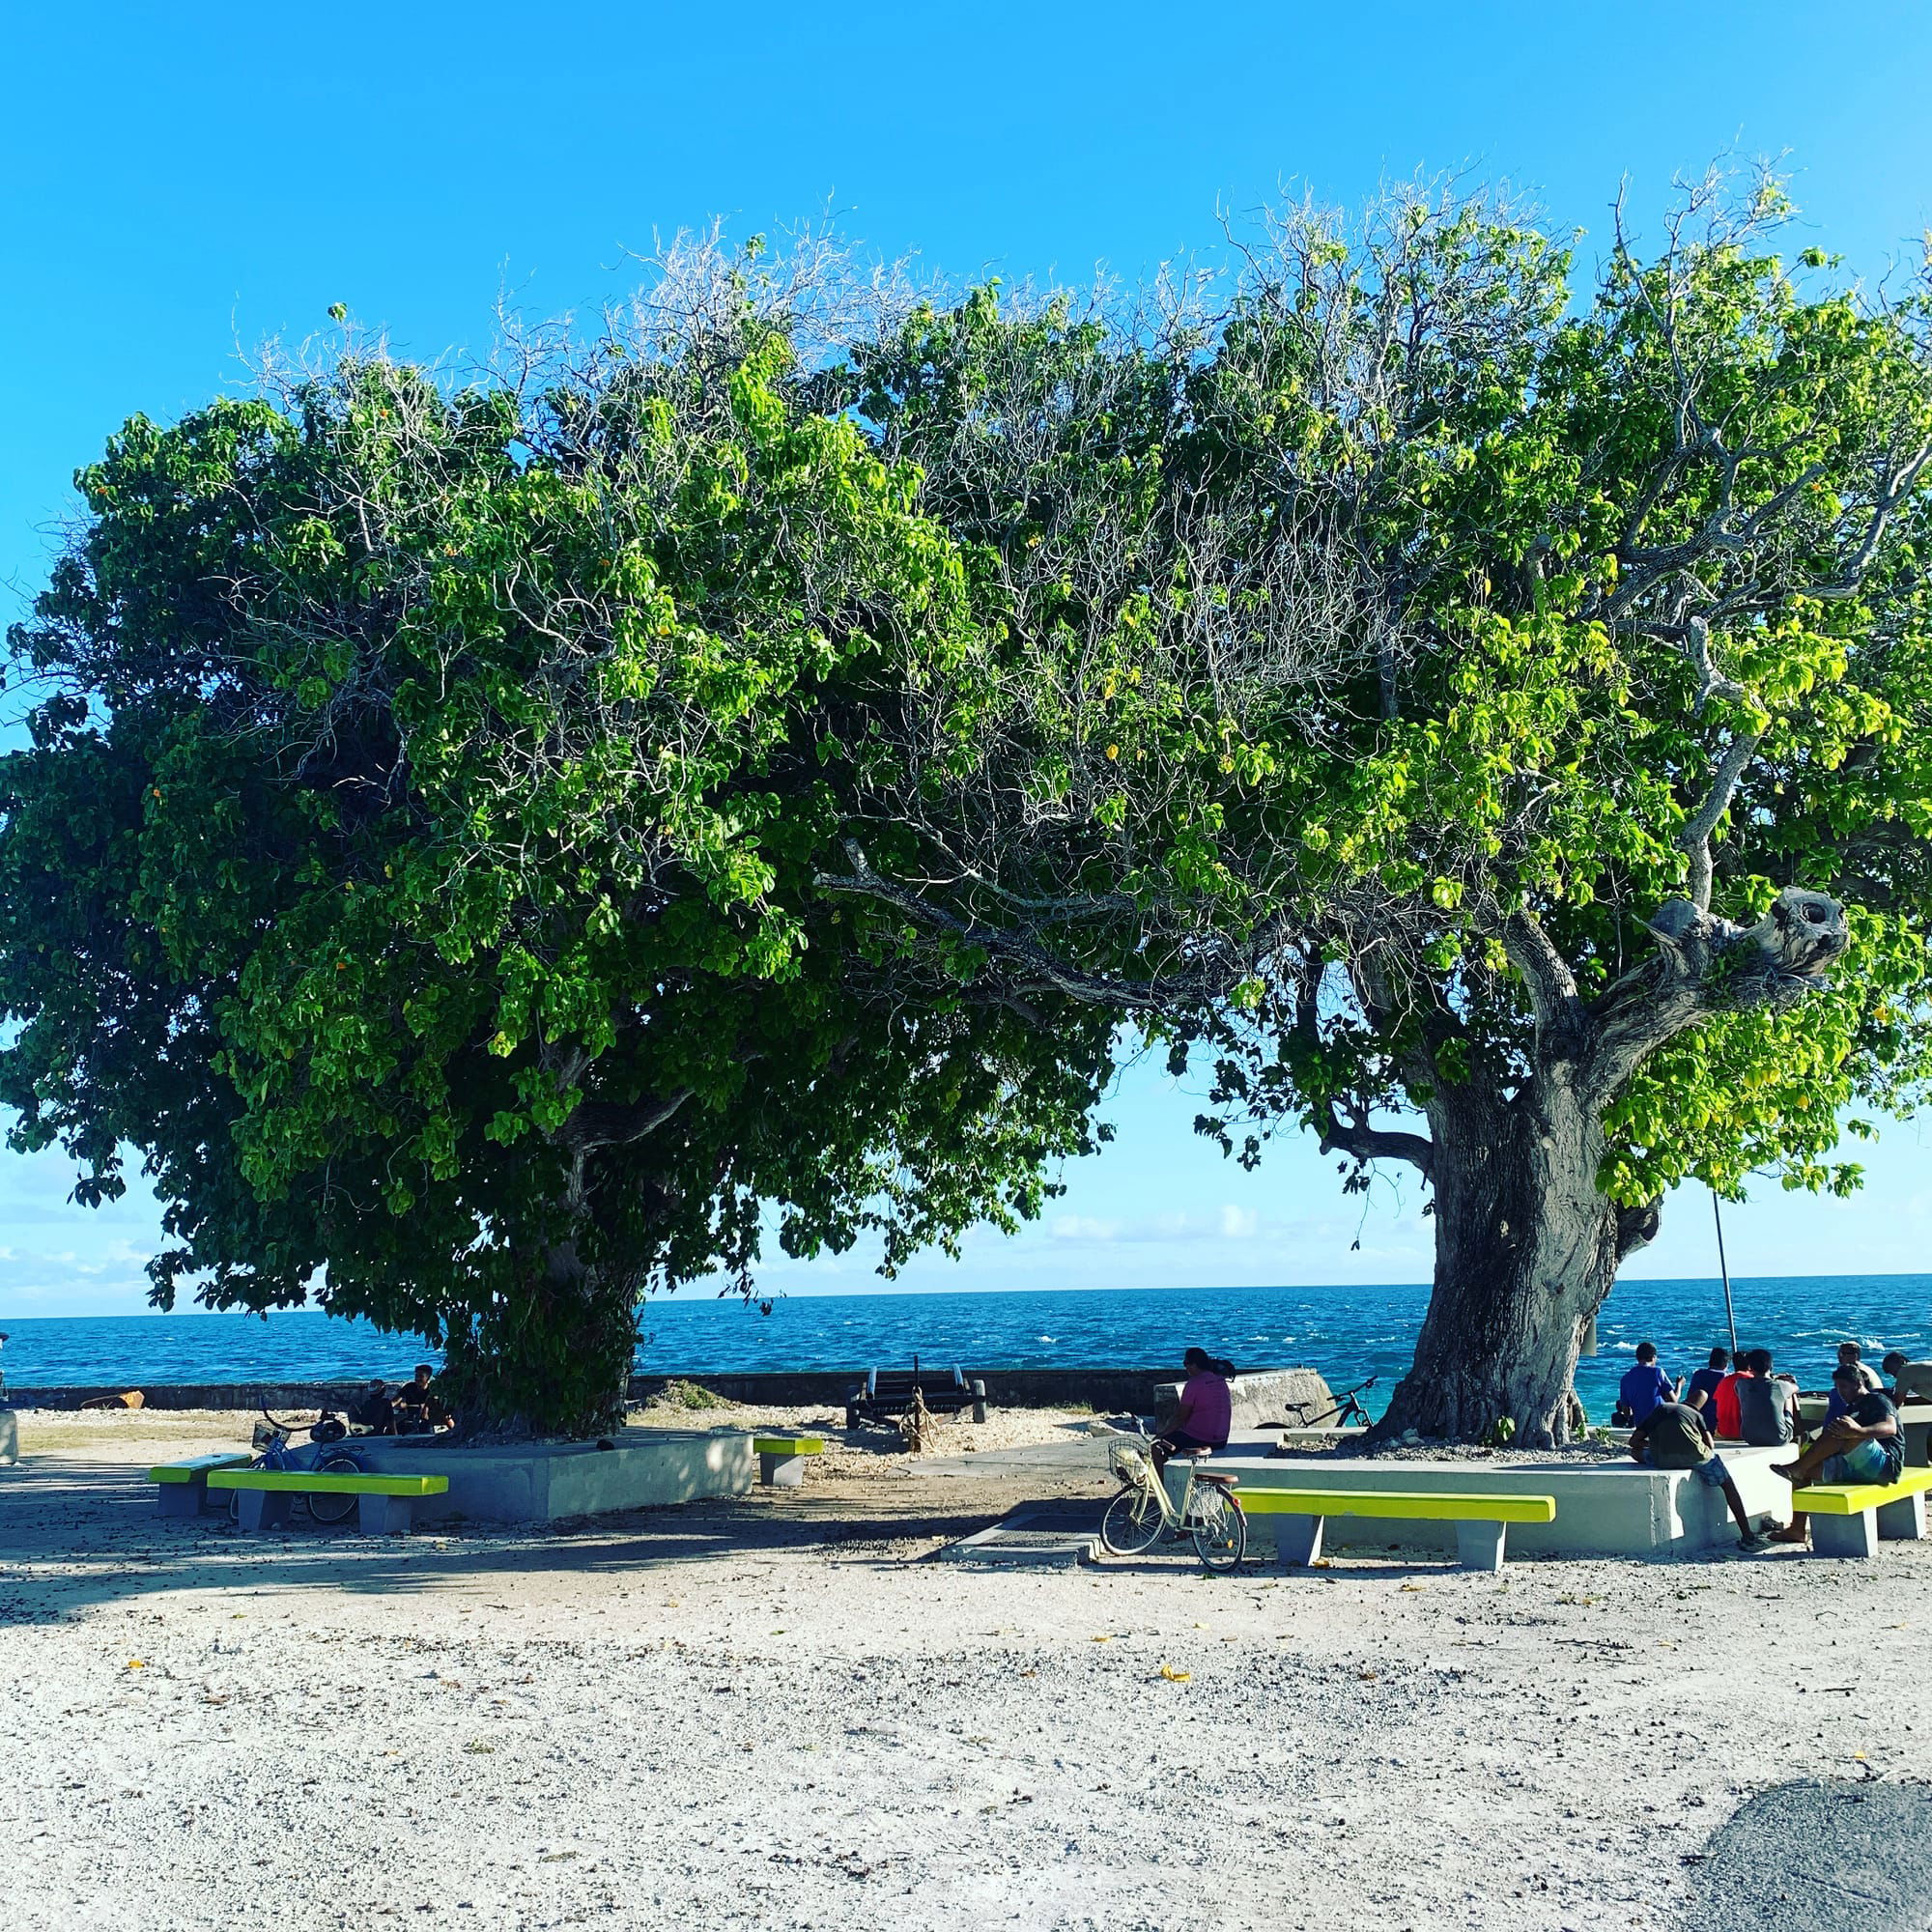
point(775, 1712)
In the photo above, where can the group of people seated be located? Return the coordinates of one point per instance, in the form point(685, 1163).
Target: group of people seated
point(414, 1409)
point(1675, 1427)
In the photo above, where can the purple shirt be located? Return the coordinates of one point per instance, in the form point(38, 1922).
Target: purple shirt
point(1207, 1408)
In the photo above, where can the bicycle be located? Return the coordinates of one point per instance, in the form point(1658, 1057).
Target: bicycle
point(1208, 1513)
point(1346, 1411)
point(323, 1508)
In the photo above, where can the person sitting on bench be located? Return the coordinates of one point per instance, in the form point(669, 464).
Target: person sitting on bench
point(1206, 1415)
point(1862, 1446)
point(1869, 1381)
point(374, 1409)
point(1674, 1436)
point(1644, 1386)
point(418, 1406)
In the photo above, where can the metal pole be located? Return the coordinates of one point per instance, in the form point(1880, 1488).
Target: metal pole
point(1723, 1268)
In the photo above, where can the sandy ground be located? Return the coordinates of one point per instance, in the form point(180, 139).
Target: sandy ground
point(779, 1711)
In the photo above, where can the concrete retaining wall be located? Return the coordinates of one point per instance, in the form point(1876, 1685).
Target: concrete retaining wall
point(1111, 1391)
point(1603, 1509)
point(647, 1469)
point(193, 1394)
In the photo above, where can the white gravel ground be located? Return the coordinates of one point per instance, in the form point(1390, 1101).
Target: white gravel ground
point(775, 1712)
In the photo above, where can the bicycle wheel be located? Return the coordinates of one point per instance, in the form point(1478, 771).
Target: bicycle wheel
point(1133, 1521)
point(1219, 1528)
point(331, 1507)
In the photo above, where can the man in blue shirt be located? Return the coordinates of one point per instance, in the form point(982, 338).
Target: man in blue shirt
point(1644, 1386)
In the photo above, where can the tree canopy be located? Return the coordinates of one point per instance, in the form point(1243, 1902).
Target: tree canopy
point(412, 859)
point(1461, 700)
point(499, 843)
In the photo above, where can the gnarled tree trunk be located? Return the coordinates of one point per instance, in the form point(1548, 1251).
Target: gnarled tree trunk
point(1527, 1248)
point(1527, 1243)
point(551, 1360)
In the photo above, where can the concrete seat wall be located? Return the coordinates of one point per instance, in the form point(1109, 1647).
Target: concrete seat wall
point(1603, 1509)
point(547, 1481)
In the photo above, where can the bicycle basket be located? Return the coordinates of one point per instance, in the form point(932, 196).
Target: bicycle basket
point(1129, 1461)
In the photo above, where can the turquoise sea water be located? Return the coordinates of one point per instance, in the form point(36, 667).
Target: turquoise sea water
point(1348, 1333)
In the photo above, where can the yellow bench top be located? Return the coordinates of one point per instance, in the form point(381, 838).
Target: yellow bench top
point(1410, 1505)
point(788, 1445)
point(306, 1482)
point(1855, 1498)
point(195, 1466)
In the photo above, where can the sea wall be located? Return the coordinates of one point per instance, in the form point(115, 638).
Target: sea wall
point(1134, 1391)
point(1264, 1398)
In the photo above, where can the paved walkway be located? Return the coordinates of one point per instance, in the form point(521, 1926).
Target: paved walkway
point(1824, 1856)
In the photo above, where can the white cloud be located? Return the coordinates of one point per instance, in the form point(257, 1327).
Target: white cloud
point(1084, 1228)
point(1239, 1224)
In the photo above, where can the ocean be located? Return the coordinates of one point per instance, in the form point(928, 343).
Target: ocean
point(1349, 1333)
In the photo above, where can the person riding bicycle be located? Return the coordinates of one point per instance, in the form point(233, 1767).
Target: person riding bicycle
point(1202, 1422)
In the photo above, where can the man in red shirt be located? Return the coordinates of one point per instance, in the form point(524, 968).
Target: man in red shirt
point(1724, 1400)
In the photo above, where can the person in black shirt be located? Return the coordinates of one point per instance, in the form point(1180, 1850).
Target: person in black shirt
point(1862, 1445)
point(418, 1406)
point(374, 1409)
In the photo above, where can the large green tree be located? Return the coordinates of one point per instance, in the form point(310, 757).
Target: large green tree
point(1489, 717)
point(411, 860)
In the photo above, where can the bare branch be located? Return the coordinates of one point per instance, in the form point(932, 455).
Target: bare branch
point(1695, 837)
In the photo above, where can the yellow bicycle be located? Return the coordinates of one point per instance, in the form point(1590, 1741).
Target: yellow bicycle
point(1210, 1513)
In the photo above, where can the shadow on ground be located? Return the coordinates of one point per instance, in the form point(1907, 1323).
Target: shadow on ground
point(1819, 1856)
point(75, 1534)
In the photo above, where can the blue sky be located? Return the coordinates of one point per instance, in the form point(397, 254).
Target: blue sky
point(181, 182)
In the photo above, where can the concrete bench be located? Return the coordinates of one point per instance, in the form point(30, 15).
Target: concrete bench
point(1848, 1518)
point(1482, 1522)
point(184, 1486)
point(384, 1505)
point(782, 1459)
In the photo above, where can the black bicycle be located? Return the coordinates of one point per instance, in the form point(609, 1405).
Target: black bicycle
point(1347, 1412)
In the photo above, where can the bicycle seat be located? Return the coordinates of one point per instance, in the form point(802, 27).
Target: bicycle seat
point(1223, 1482)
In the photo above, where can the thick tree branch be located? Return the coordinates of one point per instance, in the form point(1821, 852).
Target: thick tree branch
point(1638, 1226)
point(1356, 1137)
point(598, 1123)
point(1705, 966)
point(1213, 973)
point(1552, 986)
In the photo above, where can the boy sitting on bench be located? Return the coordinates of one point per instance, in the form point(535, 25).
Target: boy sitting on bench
point(1862, 1446)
